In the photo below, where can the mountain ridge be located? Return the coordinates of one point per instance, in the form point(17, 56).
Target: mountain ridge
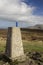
point(38, 26)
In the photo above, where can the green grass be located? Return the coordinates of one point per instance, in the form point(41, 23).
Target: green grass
point(2, 49)
point(28, 46)
point(2, 46)
point(33, 46)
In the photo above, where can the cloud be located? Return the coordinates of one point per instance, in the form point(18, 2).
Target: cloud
point(9, 8)
point(36, 19)
point(12, 7)
point(18, 11)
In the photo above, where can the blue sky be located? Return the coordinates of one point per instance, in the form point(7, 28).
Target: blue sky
point(38, 4)
point(25, 12)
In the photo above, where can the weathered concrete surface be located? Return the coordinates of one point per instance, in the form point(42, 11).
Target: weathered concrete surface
point(14, 47)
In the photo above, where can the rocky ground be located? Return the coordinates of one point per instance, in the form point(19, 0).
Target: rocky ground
point(32, 58)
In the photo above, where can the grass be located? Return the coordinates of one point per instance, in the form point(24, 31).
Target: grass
point(33, 46)
point(28, 46)
point(2, 45)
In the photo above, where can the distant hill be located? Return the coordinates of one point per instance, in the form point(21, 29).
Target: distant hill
point(3, 33)
point(27, 33)
point(38, 26)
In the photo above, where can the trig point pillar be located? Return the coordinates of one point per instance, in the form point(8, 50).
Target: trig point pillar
point(14, 47)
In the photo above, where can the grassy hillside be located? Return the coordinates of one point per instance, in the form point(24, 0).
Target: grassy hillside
point(32, 40)
point(27, 34)
point(32, 34)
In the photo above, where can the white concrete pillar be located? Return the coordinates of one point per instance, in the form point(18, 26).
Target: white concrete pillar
point(14, 46)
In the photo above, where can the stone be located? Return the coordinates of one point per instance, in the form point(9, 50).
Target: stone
point(14, 46)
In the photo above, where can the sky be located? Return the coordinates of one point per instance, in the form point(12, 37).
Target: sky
point(25, 12)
